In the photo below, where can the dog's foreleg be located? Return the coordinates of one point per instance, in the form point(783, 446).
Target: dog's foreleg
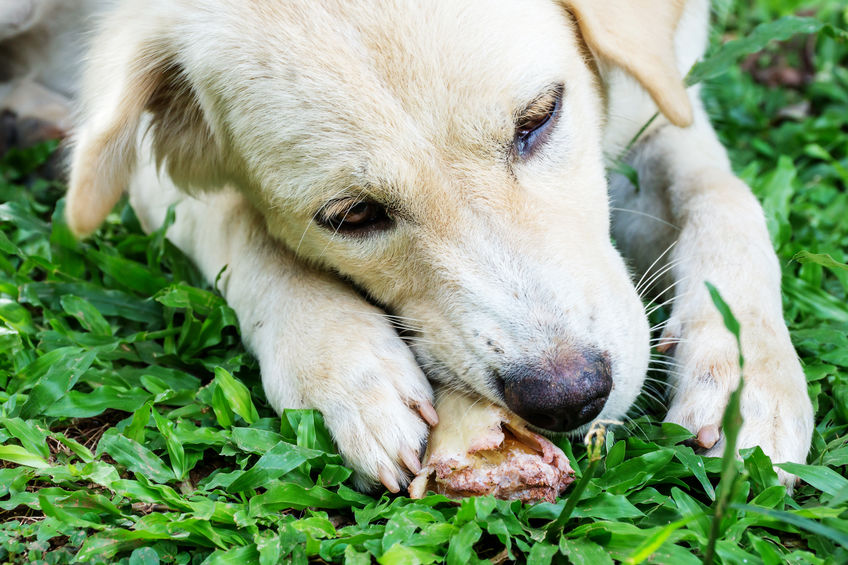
point(687, 187)
point(319, 344)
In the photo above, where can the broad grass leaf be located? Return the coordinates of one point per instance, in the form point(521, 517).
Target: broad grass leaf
point(109, 302)
point(766, 550)
point(128, 274)
point(823, 478)
point(60, 378)
point(688, 506)
point(607, 506)
point(813, 300)
point(730, 552)
point(283, 496)
point(10, 341)
point(278, 461)
point(134, 456)
point(619, 538)
point(837, 536)
point(653, 543)
point(76, 447)
point(77, 404)
point(772, 497)
point(23, 219)
point(77, 507)
point(822, 259)
point(31, 437)
point(776, 189)
point(400, 554)
point(21, 456)
point(634, 472)
point(86, 314)
point(6, 246)
point(140, 419)
point(176, 452)
point(161, 378)
point(584, 552)
point(307, 429)
point(186, 297)
point(221, 406)
point(207, 436)
point(332, 475)
point(616, 454)
point(728, 54)
point(143, 490)
point(269, 547)
point(16, 316)
point(204, 532)
point(504, 528)
point(236, 394)
point(107, 544)
point(461, 546)
point(354, 557)
point(759, 468)
point(144, 556)
point(695, 463)
point(254, 440)
point(235, 556)
point(399, 529)
point(542, 554)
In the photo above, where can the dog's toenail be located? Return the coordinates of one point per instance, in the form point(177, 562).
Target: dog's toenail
point(428, 413)
point(388, 480)
point(666, 344)
point(708, 436)
point(410, 460)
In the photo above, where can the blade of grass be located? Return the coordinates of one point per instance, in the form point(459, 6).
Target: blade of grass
point(594, 445)
point(731, 423)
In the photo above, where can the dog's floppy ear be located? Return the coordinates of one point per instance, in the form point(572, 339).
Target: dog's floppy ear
point(638, 36)
point(134, 80)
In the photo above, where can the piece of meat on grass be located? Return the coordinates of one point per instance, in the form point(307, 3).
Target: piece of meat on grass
point(479, 448)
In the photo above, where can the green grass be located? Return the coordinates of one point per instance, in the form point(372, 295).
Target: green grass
point(133, 428)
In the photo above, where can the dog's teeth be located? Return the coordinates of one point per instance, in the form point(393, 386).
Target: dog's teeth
point(410, 460)
point(388, 480)
point(428, 413)
point(708, 436)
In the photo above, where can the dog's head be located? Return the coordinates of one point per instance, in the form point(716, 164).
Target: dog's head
point(444, 157)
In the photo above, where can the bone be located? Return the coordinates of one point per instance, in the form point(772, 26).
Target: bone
point(479, 448)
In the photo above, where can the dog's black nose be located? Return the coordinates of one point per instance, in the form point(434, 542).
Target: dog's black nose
point(563, 395)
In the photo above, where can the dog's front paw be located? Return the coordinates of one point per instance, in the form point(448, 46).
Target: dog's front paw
point(776, 410)
point(375, 399)
point(380, 419)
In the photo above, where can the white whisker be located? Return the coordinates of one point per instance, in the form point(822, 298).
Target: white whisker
point(640, 213)
point(657, 260)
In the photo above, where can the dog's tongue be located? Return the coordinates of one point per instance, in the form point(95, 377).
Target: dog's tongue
point(479, 448)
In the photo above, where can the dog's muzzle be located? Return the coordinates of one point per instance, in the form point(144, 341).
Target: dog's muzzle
point(562, 395)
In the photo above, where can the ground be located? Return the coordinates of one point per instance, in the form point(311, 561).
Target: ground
point(133, 428)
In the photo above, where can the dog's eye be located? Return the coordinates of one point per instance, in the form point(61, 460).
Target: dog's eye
point(354, 217)
point(533, 124)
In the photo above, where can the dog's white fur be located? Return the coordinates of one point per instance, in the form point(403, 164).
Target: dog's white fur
point(249, 117)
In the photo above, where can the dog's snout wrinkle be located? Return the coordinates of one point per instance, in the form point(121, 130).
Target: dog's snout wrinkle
point(561, 395)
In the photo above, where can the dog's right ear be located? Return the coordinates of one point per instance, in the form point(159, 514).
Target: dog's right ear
point(135, 80)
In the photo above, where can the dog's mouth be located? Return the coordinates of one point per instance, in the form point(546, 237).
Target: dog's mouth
point(552, 403)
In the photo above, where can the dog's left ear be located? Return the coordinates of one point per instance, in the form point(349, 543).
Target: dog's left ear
point(638, 36)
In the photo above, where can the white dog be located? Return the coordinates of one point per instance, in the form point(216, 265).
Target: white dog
point(439, 167)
